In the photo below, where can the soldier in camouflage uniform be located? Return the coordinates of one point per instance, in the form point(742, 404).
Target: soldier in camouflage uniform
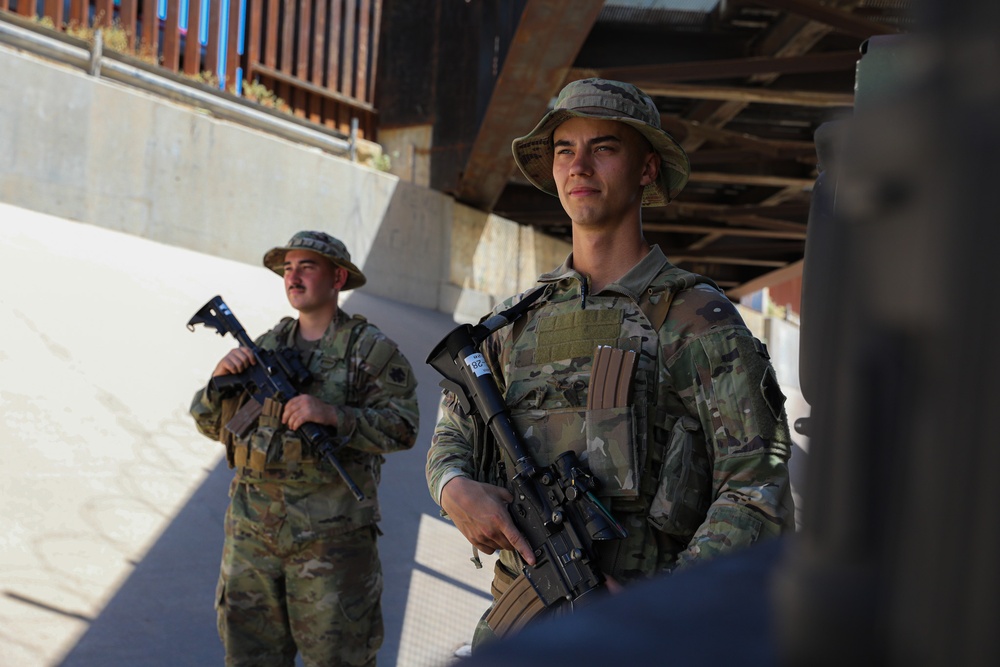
point(300, 567)
point(694, 463)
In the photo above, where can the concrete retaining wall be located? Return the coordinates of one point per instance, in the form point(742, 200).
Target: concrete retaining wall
point(99, 152)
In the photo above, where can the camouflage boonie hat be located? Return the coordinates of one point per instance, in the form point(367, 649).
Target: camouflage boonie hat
point(606, 100)
point(322, 243)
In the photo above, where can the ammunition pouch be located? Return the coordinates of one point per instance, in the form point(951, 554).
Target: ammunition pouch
point(256, 440)
point(232, 406)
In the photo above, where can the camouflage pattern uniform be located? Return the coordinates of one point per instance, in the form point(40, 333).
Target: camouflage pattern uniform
point(300, 566)
point(695, 466)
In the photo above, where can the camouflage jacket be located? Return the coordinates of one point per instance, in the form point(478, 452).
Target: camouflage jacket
point(361, 372)
point(694, 464)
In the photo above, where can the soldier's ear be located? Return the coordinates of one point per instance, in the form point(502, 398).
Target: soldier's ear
point(340, 277)
point(650, 169)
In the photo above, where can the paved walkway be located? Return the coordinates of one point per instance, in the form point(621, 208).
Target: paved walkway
point(111, 504)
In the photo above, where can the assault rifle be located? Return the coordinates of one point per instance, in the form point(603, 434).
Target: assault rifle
point(554, 506)
point(276, 375)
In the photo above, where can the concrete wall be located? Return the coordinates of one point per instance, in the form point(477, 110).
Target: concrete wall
point(95, 151)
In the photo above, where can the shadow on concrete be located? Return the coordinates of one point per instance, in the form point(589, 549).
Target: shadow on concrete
point(163, 613)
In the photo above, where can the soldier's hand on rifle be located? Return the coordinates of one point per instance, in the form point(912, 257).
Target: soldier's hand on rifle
point(305, 408)
point(235, 362)
point(480, 513)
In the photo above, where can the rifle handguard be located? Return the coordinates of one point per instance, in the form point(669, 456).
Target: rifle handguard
point(277, 376)
point(554, 507)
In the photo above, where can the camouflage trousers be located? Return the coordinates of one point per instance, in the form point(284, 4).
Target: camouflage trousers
point(284, 590)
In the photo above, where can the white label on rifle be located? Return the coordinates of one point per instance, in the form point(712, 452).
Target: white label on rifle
point(477, 364)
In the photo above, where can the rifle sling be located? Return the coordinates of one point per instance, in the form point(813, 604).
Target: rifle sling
point(513, 314)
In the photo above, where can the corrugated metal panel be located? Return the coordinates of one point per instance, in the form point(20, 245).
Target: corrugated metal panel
point(887, 4)
point(658, 12)
point(889, 12)
point(702, 6)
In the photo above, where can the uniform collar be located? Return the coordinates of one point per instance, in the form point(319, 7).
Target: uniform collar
point(331, 329)
point(633, 283)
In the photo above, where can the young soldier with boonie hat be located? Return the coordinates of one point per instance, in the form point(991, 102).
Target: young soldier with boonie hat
point(607, 100)
point(692, 458)
point(324, 244)
point(296, 537)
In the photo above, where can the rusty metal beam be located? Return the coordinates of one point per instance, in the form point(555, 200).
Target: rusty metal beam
point(763, 180)
point(841, 20)
point(300, 84)
point(784, 274)
point(719, 232)
point(744, 96)
point(722, 259)
point(548, 38)
point(693, 210)
point(775, 148)
point(172, 37)
point(794, 35)
point(192, 47)
point(726, 69)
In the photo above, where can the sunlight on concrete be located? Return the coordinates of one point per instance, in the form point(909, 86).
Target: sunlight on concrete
point(96, 369)
point(446, 598)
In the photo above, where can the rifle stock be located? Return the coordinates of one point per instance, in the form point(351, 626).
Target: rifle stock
point(554, 506)
point(275, 375)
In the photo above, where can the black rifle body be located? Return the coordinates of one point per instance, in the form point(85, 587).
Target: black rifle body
point(554, 506)
point(275, 375)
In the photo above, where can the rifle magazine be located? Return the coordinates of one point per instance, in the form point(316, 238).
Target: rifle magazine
point(244, 419)
point(515, 607)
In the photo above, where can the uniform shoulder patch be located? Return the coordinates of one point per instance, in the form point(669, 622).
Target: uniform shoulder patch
point(771, 391)
point(398, 374)
point(376, 351)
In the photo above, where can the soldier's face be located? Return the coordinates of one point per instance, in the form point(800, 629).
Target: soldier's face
point(600, 169)
point(311, 280)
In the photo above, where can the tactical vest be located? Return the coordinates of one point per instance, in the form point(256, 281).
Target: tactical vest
point(625, 435)
point(269, 448)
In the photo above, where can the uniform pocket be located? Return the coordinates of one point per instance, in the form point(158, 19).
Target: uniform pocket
point(220, 593)
point(611, 451)
point(603, 439)
point(220, 608)
point(358, 573)
point(263, 445)
point(684, 485)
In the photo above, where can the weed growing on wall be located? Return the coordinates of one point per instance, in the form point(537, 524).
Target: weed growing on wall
point(115, 37)
point(261, 94)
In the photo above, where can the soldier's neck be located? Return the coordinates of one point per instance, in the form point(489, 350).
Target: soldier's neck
point(604, 258)
point(312, 324)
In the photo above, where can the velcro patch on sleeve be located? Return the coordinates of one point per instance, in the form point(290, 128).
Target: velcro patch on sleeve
point(380, 354)
point(771, 391)
point(398, 375)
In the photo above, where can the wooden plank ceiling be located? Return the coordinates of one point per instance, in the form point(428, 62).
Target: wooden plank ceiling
point(742, 84)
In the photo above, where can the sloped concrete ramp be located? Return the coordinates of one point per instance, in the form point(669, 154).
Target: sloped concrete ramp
point(111, 504)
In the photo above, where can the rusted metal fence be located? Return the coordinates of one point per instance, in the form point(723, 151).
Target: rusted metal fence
point(318, 56)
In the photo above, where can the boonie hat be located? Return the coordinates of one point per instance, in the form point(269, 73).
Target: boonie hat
point(324, 244)
point(606, 100)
